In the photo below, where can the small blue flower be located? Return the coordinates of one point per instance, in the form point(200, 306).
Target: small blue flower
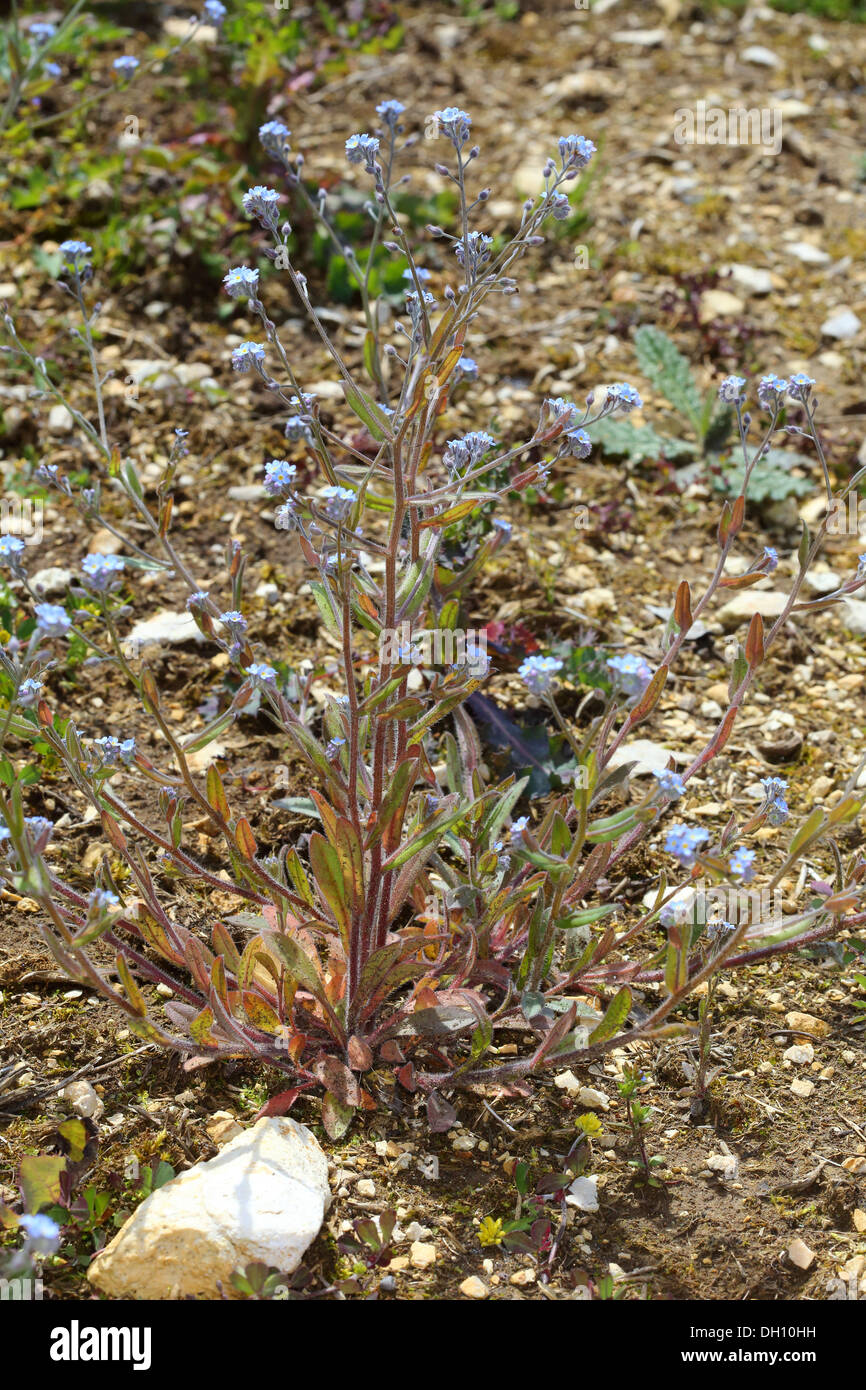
point(455, 123)
point(671, 784)
point(468, 451)
point(560, 207)
point(10, 546)
point(362, 149)
point(800, 386)
point(621, 399)
point(75, 251)
point(279, 477)
point(263, 203)
point(774, 799)
point(683, 842)
point(390, 111)
point(41, 32)
point(861, 566)
point(52, 620)
point(43, 1234)
point(215, 11)
point(247, 355)
point(777, 812)
point(467, 367)
point(580, 442)
point(261, 674)
point(102, 570)
point(198, 599)
point(234, 621)
point(538, 672)
point(110, 749)
point(631, 674)
point(516, 832)
point(54, 69)
point(475, 249)
point(297, 428)
point(504, 526)
point(741, 862)
point(40, 830)
point(575, 151)
point(772, 391)
point(28, 692)
point(773, 787)
point(339, 501)
point(125, 65)
point(241, 282)
point(333, 749)
point(771, 555)
point(101, 901)
point(286, 517)
point(733, 390)
point(273, 136)
point(420, 272)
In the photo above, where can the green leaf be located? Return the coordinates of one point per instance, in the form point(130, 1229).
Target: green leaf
point(39, 1179)
point(336, 1117)
point(615, 1016)
point(664, 365)
point(367, 412)
point(621, 439)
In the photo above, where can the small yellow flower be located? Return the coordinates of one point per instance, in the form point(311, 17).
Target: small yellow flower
point(590, 1124)
point(490, 1231)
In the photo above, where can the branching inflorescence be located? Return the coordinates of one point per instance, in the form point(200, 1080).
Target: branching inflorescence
point(424, 914)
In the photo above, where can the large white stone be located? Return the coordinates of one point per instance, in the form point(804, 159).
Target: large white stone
point(262, 1198)
point(166, 627)
point(843, 324)
point(769, 603)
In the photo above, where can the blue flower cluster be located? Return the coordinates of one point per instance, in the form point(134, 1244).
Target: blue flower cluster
point(774, 799)
point(684, 842)
point(631, 674)
point(538, 672)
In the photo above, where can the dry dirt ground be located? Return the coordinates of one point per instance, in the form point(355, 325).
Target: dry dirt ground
point(651, 235)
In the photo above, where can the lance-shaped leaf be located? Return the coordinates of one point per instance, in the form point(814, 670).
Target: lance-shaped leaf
point(198, 961)
point(210, 732)
point(809, 829)
point(156, 936)
point(555, 1036)
point(615, 1016)
point(133, 993)
point(299, 878)
point(584, 917)
point(367, 412)
point(216, 795)
point(298, 964)
point(326, 607)
point(351, 855)
point(328, 876)
point(224, 946)
point(336, 1117)
point(201, 1028)
point(459, 510)
point(755, 641)
point(739, 671)
point(650, 698)
point(611, 827)
point(676, 959)
point(683, 606)
point(424, 837)
point(260, 1013)
point(244, 838)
